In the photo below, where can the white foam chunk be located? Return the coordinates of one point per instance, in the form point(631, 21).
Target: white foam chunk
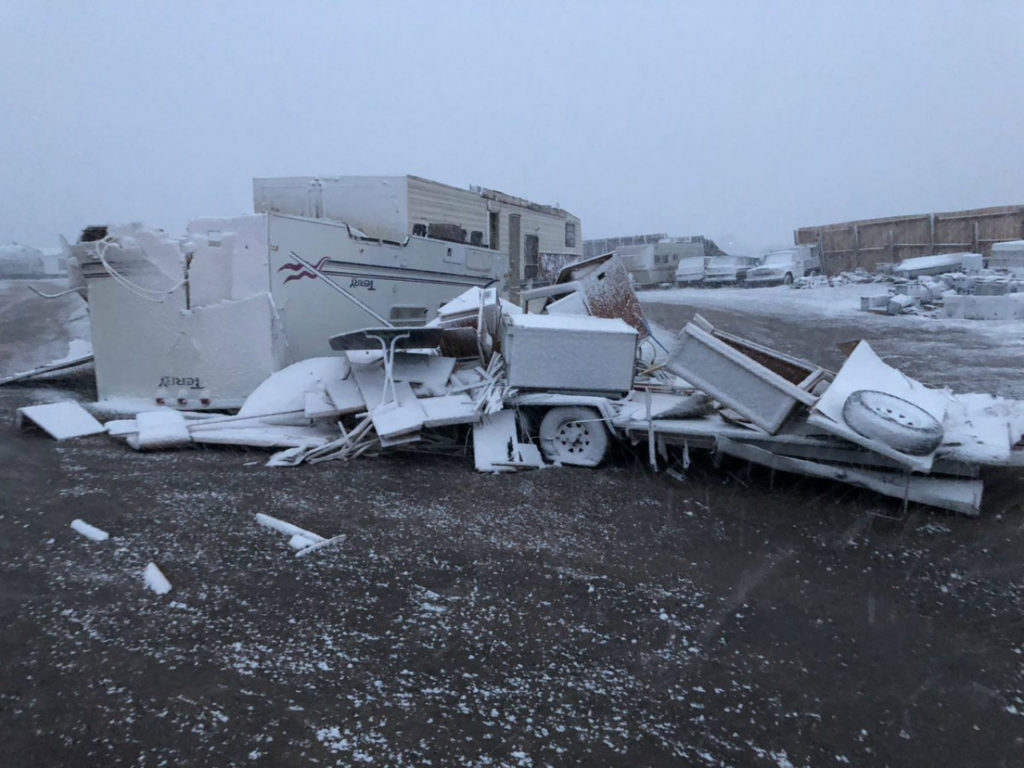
point(89, 531)
point(60, 420)
point(299, 541)
point(282, 397)
point(121, 427)
point(155, 580)
point(161, 429)
point(286, 528)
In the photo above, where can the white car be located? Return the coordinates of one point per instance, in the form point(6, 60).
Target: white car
point(723, 270)
point(691, 270)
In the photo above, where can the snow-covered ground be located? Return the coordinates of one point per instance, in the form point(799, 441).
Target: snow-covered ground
point(838, 301)
point(37, 331)
point(563, 617)
point(963, 355)
point(841, 302)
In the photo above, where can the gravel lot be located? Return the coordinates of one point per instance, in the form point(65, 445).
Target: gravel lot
point(559, 617)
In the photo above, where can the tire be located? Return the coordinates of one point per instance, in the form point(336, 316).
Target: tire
point(898, 423)
point(788, 279)
point(573, 435)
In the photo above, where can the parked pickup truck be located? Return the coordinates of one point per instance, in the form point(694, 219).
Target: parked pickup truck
point(785, 265)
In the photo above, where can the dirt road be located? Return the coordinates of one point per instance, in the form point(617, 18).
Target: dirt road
point(560, 617)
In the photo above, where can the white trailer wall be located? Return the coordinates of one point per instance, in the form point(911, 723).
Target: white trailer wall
point(377, 205)
point(431, 202)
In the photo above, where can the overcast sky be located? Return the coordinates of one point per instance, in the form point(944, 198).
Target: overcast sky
point(737, 120)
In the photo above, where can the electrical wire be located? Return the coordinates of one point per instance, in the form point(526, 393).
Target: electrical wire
point(149, 294)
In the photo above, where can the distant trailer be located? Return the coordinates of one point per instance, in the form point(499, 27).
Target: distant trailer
point(655, 264)
point(869, 242)
point(592, 248)
point(652, 264)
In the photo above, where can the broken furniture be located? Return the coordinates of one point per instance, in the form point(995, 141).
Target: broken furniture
point(397, 416)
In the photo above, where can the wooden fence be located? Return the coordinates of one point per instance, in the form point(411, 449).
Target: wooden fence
point(868, 242)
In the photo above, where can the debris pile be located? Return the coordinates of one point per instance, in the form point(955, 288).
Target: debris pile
point(955, 285)
point(559, 386)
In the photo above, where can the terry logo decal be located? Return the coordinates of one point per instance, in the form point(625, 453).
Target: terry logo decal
point(301, 270)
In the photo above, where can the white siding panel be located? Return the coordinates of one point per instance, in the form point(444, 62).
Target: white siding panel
point(431, 203)
point(292, 195)
point(550, 229)
point(378, 205)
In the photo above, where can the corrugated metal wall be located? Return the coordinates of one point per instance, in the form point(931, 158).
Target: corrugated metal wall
point(869, 242)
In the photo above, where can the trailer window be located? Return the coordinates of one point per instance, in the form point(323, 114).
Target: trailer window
point(407, 315)
point(531, 252)
point(495, 230)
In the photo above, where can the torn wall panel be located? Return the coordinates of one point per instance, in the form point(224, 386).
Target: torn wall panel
point(735, 379)
point(238, 246)
point(956, 495)
point(159, 349)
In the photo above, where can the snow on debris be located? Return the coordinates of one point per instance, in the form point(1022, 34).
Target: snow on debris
point(89, 531)
point(156, 580)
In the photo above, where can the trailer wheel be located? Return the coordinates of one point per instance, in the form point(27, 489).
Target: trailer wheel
point(573, 435)
point(898, 423)
point(788, 279)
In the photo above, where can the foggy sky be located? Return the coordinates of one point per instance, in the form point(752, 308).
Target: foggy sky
point(737, 120)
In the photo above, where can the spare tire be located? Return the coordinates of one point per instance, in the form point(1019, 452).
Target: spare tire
point(573, 435)
point(898, 423)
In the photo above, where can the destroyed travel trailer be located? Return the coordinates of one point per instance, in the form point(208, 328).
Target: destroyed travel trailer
point(395, 207)
point(527, 390)
point(199, 321)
